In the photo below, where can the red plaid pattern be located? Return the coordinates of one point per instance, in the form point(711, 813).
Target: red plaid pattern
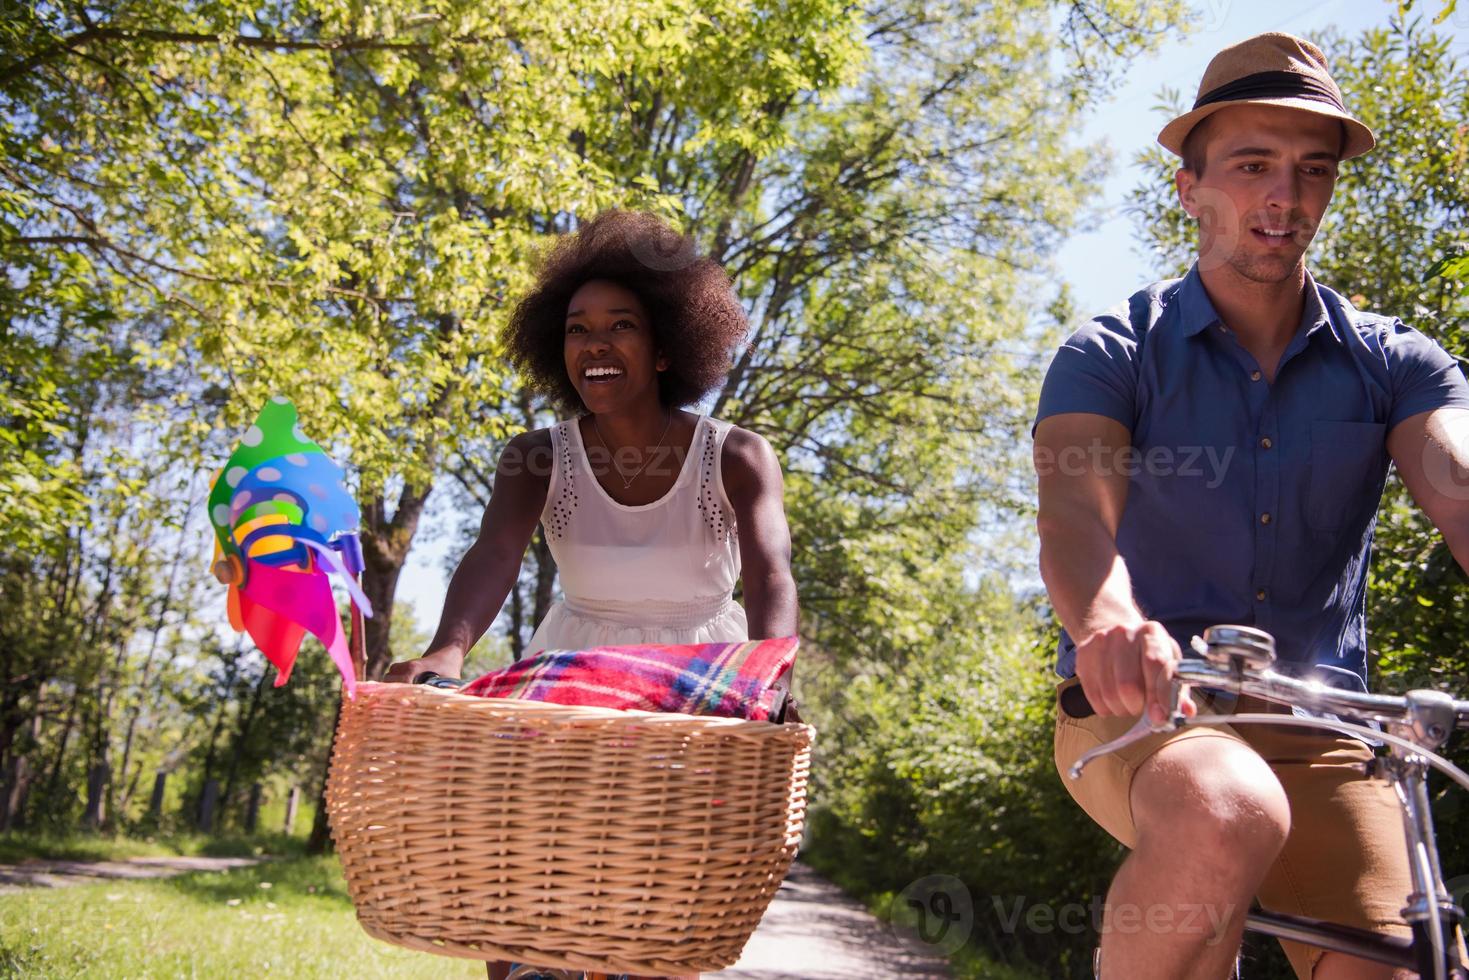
point(731, 680)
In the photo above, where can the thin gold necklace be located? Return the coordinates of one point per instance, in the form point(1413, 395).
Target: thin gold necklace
point(647, 457)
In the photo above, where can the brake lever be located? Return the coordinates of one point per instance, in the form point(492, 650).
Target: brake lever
point(1139, 731)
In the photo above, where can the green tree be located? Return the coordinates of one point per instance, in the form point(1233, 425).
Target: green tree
point(338, 201)
point(1447, 10)
point(286, 194)
point(944, 766)
point(335, 202)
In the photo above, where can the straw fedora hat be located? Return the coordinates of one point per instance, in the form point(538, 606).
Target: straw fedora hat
point(1269, 69)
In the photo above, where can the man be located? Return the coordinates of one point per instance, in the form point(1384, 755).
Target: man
point(1215, 452)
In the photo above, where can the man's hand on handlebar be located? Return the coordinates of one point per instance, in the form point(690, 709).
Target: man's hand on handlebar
point(446, 663)
point(1124, 669)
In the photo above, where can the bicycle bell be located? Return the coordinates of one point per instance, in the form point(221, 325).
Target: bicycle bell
point(1243, 645)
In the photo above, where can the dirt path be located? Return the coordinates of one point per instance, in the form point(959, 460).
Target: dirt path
point(814, 932)
point(40, 873)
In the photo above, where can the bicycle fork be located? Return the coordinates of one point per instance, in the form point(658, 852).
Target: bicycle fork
point(1431, 912)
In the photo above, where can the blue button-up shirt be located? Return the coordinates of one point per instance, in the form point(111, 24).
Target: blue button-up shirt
point(1250, 502)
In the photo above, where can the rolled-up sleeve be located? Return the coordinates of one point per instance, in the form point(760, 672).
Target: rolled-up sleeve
point(1095, 371)
point(1424, 375)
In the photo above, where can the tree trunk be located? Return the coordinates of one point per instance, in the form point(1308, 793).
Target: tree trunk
point(545, 575)
point(96, 811)
point(242, 734)
point(155, 805)
point(380, 585)
point(160, 620)
point(208, 802)
point(252, 808)
point(12, 793)
point(293, 802)
point(320, 841)
point(385, 545)
point(18, 772)
point(517, 621)
point(53, 783)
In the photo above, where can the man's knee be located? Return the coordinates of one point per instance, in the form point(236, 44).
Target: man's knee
point(1211, 800)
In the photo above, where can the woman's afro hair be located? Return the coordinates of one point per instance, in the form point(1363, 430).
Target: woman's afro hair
point(697, 320)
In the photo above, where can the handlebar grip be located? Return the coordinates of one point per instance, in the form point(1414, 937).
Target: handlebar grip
point(1075, 702)
point(432, 679)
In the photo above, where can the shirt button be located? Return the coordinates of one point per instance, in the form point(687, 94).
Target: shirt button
point(1264, 518)
point(1254, 375)
point(1265, 443)
point(1260, 595)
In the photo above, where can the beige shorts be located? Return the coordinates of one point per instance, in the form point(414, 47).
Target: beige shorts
point(1345, 859)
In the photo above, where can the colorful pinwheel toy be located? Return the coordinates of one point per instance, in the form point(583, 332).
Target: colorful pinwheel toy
point(283, 521)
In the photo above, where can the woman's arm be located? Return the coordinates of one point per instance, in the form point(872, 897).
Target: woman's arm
point(756, 489)
point(489, 568)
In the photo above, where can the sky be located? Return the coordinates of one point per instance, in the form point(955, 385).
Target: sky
point(1104, 263)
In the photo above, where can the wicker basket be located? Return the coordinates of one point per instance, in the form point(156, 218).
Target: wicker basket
point(581, 838)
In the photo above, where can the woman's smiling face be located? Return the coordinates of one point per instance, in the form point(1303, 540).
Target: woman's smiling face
point(611, 353)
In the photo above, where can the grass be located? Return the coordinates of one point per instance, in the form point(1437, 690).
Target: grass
point(286, 917)
point(16, 847)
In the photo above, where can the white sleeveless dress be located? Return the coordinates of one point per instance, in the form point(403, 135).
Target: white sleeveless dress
point(653, 573)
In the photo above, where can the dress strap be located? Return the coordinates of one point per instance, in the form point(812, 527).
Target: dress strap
point(561, 495)
point(714, 508)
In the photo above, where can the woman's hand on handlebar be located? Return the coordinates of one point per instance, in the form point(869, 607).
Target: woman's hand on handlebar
point(1128, 668)
point(446, 663)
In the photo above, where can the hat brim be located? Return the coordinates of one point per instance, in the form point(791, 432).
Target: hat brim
point(1359, 138)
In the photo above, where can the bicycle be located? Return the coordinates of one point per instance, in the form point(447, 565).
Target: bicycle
point(1238, 659)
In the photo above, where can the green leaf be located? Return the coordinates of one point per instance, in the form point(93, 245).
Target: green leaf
point(1449, 267)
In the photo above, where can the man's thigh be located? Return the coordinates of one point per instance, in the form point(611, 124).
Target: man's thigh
point(1104, 790)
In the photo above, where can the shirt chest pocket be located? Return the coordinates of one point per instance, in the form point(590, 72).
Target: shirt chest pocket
point(1348, 464)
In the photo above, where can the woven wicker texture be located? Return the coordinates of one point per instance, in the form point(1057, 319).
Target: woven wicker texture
point(572, 837)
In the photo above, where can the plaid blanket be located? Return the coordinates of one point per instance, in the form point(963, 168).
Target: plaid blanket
point(732, 680)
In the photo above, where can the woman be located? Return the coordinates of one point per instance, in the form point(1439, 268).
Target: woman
point(651, 512)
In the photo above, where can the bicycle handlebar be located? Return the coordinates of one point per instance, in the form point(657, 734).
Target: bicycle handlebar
point(430, 679)
point(1238, 659)
point(1313, 695)
point(1436, 712)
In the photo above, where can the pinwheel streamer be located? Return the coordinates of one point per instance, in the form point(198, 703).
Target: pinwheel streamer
point(283, 522)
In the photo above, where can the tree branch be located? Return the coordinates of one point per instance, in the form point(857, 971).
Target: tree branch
point(69, 44)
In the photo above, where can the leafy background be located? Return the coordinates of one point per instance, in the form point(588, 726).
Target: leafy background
point(203, 204)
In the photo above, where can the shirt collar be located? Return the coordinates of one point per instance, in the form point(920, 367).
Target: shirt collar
point(1197, 313)
point(1314, 315)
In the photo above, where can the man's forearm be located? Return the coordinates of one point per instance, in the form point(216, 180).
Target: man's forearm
point(1087, 580)
point(1457, 539)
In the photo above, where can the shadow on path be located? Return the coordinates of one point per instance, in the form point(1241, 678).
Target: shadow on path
point(812, 931)
point(39, 873)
